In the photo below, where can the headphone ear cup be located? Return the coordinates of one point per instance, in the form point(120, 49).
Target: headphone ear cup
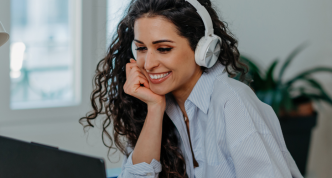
point(133, 46)
point(213, 52)
point(199, 57)
point(207, 50)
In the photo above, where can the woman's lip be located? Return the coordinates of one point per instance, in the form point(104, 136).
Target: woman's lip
point(157, 81)
point(158, 73)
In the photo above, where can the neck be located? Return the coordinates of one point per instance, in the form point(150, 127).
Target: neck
point(181, 94)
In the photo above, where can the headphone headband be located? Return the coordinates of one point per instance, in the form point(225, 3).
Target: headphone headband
point(201, 10)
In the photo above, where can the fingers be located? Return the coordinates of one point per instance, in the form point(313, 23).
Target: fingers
point(133, 71)
point(131, 86)
point(132, 66)
point(142, 78)
point(129, 66)
point(135, 77)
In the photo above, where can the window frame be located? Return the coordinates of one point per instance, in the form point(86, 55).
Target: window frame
point(90, 40)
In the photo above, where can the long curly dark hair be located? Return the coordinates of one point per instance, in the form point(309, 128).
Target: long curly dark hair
point(126, 113)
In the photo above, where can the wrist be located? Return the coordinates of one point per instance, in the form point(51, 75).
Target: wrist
point(157, 107)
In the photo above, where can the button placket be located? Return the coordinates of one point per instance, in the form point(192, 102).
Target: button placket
point(175, 111)
point(190, 109)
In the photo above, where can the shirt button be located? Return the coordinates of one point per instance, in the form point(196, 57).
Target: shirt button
point(149, 174)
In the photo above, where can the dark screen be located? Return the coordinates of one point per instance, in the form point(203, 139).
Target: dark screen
point(20, 159)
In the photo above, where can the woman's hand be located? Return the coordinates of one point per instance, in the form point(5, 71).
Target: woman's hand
point(148, 145)
point(133, 87)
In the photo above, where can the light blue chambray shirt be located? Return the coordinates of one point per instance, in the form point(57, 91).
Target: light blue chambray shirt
point(233, 133)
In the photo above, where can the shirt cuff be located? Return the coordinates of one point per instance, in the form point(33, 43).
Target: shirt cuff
point(143, 169)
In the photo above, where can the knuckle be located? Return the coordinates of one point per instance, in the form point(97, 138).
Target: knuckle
point(127, 66)
point(135, 69)
point(125, 88)
point(137, 78)
point(127, 91)
point(133, 90)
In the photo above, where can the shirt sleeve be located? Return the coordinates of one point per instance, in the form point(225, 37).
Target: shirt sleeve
point(139, 170)
point(255, 141)
point(257, 155)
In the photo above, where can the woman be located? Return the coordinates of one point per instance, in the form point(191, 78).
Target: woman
point(181, 119)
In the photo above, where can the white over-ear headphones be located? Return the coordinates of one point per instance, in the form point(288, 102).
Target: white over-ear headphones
point(208, 48)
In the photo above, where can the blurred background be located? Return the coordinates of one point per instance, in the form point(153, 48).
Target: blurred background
point(46, 68)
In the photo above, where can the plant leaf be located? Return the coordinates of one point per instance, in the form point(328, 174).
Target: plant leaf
point(270, 82)
point(306, 73)
point(254, 72)
point(323, 95)
point(318, 97)
point(252, 66)
point(289, 59)
point(287, 102)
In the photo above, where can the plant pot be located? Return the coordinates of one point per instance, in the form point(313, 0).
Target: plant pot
point(297, 135)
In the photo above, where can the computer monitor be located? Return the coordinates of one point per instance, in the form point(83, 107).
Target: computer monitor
point(22, 159)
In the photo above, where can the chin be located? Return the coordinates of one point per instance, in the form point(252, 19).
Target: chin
point(160, 90)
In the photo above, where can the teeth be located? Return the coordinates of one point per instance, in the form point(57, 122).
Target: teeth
point(158, 76)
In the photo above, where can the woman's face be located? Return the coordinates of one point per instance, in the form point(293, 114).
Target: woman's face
point(164, 57)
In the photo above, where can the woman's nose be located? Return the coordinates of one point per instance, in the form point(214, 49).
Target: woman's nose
point(150, 61)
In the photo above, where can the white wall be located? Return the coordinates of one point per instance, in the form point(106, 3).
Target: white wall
point(270, 29)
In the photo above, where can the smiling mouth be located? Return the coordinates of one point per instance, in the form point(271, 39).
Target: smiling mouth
point(158, 78)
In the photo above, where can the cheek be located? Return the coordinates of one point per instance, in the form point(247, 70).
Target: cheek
point(140, 64)
point(186, 70)
point(183, 70)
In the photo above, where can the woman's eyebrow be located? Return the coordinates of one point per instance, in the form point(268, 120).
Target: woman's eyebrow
point(155, 42)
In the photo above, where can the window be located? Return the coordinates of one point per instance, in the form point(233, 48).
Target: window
point(57, 124)
point(44, 55)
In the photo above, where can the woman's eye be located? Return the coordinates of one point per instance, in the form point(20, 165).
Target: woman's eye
point(140, 48)
point(159, 49)
point(164, 49)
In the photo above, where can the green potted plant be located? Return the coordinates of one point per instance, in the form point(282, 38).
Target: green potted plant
point(291, 103)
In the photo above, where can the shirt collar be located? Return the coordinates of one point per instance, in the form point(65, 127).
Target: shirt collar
point(201, 93)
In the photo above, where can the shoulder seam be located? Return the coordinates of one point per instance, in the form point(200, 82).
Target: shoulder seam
point(242, 139)
point(237, 97)
point(247, 136)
